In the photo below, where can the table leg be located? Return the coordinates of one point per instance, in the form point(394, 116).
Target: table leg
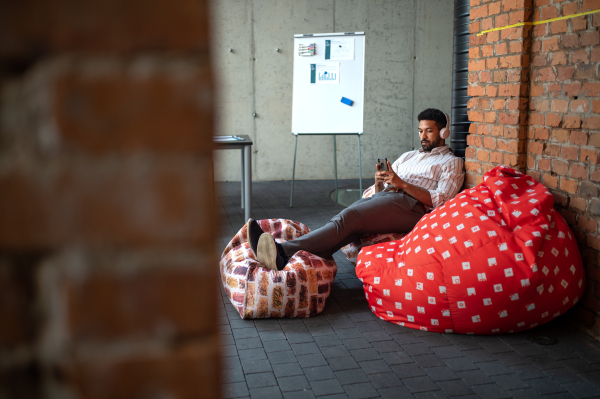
point(242, 177)
point(247, 181)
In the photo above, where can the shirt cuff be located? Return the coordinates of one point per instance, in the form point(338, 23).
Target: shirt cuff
point(437, 199)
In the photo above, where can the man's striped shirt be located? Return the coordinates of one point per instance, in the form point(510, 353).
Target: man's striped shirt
point(438, 171)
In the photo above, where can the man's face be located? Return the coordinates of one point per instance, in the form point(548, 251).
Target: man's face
point(429, 134)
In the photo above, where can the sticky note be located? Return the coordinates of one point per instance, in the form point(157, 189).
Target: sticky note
point(347, 101)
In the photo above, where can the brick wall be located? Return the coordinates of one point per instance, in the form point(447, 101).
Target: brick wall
point(108, 276)
point(536, 108)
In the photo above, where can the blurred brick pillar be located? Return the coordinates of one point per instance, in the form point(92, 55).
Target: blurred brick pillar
point(108, 276)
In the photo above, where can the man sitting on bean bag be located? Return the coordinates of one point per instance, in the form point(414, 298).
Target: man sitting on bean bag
point(417, 182)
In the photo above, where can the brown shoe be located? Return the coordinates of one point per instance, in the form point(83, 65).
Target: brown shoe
point(267, 253)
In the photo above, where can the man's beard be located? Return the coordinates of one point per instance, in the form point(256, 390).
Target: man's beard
point(430, 146)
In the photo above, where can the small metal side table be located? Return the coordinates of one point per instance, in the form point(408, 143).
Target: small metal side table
point(246, 180)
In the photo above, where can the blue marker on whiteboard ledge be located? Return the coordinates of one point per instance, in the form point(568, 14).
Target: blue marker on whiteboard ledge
point(347, 101)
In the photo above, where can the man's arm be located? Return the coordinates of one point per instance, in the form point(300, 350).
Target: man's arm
point(418, 193)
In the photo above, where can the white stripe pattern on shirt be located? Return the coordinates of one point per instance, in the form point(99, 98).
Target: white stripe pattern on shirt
point(438, 171)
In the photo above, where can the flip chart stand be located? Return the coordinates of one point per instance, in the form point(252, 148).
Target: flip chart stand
point(334, 160)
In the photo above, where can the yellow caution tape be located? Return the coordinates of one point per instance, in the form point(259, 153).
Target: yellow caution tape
point(540, 22)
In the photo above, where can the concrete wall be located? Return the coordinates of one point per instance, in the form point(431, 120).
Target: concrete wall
point(408, 67)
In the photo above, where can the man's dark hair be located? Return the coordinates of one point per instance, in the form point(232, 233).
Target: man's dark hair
point(433, 114)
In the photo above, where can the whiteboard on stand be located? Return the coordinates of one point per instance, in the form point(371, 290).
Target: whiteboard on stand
point(317, 108)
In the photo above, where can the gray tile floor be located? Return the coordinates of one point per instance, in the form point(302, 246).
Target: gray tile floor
point(347, 352)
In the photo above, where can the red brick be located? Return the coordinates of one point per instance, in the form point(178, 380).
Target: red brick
point(560, 135)
point(515, 76)
point(537, 90)
point(474, 3)
point(513, 104)
point(96, 307)
point(577, 203)
point(595, 175)
point(559, 58)
point(553, 120)
point(565, 73)
point(577, 137)
point(478, 12)
point(485, 76)
point(476, 65)
point(509, 119)
point(483, 155)
point(161, 104)
point(516, 47)
point(489, 142)
point(587, 223)
point(490, 117)
point(542, 133)
point(589, 155)
point(509, 90)
point(497, 131)
point(540, 60)
point(474, 27)
point(555, 90)
point(569, 9)
point(472, 167)
point(485, 103)
point(572, 122)
point(534, 174)
point(596, 20)
point(559, 105)
point(550, 44)
point(544, 164)
point(496, 157)
point(535, 147)
point(570, 153)
point(550, 181)
point(474, 140)
point(536, 119)
point(473, 77)
point(511, 146)
point(580, 56)
point(513, 61)
point(594, 140)
point(494, 8)
point(580, 105)
point(491, 63)
point(487, 51)
point(569, 41)
point(500, 48)
point(591, 89)
point(579, 23)
point(572, 89)
point(501, 20)
point(475, 116)
point(474, 52)
point(499, 103)
point(472, 103)
point(590, 38)
point(475, 40)
point(472, 129)
point(491, 91)
point(176, 372)
point(557, 27)
point(483, 129)
point(595, 54)
point(579, 171)
point(584, 71)
point(552, 150)
point(568, 185)
point(592, 123)
point(549, 12)
point(544, 74)
point(470, 153)
point(589, 5)
point(475, 90)
point(560, 167)
point(596, 106)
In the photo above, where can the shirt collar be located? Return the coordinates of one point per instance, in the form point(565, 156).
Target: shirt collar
point(441, 150)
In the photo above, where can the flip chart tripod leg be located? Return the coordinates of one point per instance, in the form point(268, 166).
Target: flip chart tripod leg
point(293, 172)
point(247, 181)
point(335, 168)
point(359, 168)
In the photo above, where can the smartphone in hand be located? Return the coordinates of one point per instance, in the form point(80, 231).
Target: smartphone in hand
point(383, 164)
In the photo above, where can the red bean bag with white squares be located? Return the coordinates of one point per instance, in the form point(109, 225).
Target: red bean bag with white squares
point(299, 290)
point(497, 258)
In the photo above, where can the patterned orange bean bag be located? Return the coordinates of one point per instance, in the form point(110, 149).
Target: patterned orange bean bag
point(496, 258)
point(299, 290)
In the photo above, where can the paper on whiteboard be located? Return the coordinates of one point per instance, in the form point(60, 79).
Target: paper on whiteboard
point(342, 49)
point(327, 73)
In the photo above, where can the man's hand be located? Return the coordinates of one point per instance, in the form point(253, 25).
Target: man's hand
point(387, 177)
